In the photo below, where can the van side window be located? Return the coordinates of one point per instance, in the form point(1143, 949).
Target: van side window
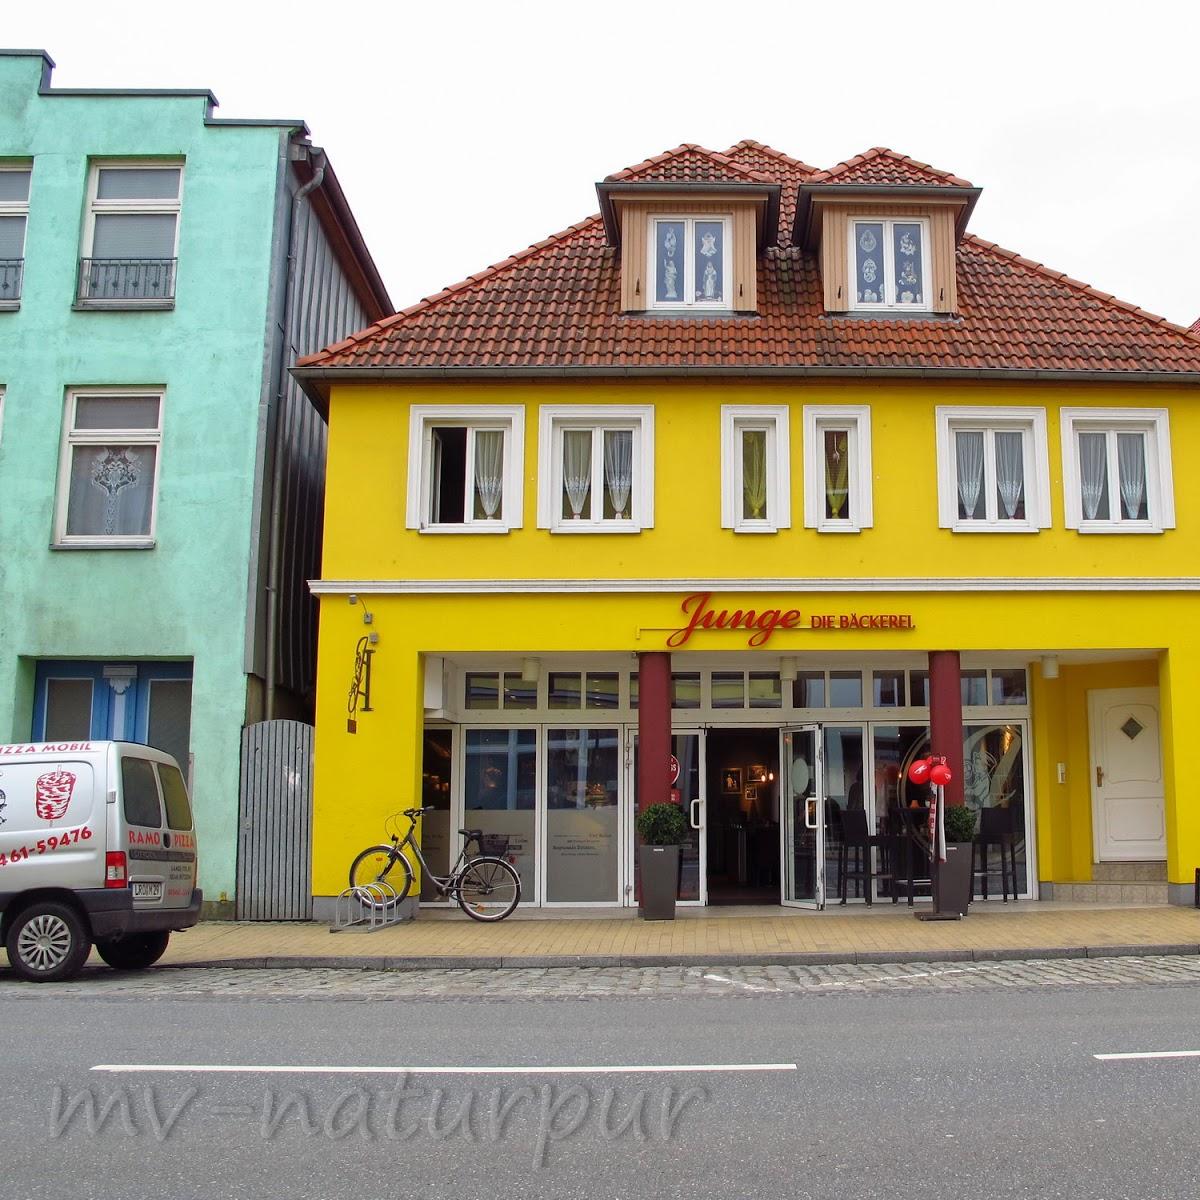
point(175, 797)
point(141, 793)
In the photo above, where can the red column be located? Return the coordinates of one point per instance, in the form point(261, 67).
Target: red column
point(945, 717)
point(654, 729)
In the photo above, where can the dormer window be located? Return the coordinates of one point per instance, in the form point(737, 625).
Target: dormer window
point(690, 263)
point(889, 264)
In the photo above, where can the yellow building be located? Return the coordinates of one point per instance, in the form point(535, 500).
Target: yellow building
point(775, 474)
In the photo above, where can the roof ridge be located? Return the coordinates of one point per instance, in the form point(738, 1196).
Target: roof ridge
point(1075, 284)
point(875, 152)
point(689, 148)
point(751, 144)
point(454, 289)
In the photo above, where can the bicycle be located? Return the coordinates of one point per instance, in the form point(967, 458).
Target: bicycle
point(486, 887)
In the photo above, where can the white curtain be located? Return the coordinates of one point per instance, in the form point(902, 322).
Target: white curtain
point(489, 469)
point(1010, 471)
point(618, 469)
point(754, 474)
point(577, 467)
point(1131, 466)
point(968, 452)
point(112, 491)
point(1093, 473)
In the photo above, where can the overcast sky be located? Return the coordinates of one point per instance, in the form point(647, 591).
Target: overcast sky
point(463, 132)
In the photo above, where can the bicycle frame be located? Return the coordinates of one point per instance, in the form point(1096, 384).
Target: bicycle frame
point(446, 885)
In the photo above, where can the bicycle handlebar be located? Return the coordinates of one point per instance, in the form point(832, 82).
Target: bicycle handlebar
point(416, 812)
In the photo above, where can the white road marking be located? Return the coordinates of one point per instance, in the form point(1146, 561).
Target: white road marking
point(1149, 1054)
point(603, 1069)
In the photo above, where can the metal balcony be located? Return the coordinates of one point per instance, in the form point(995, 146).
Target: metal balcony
point(126, 283)
point(12, 272)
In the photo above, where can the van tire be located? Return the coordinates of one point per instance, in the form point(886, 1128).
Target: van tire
point(47, 942)
point(134, 952)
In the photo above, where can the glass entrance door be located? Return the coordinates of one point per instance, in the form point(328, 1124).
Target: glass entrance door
point(802, 871)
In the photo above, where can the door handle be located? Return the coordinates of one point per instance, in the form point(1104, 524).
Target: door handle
point(810, 812)
point(1099, 776)
point(694, 814)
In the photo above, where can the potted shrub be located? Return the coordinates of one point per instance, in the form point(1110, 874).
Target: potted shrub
point(954, 877)
point(662, 828)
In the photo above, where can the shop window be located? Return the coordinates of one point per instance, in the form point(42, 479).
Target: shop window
point(918, 689)
point(845, 689)
point(482, 690)
point(108, 474)
point(583, 768)
point(808, 690)
point(595, 470)
point(993, 470)
point(837, 468)
point(437, 777)
point(766, 690)
point(500, 793)
point(565, 689)
point(974, 688)
point(519, 693)
point(1117, 473)
point(685, 689)
point(690, 262)
point(887, 689)
point(1008, 687)
point(68, 710)
point(728, 689)
point(634, 688)
point(465, 468)
point(602, 690)
point(889, 263)
point(14, 213)
point(755, 469)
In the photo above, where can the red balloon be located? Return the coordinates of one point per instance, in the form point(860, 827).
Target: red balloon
point(940, 775)
point(919, 771)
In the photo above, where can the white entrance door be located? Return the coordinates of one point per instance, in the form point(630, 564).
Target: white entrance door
point(802, 797)
point(1127, 780)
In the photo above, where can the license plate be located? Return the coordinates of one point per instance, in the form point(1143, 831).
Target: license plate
point(147, 891)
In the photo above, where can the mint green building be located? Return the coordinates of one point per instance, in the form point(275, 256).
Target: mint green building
point(161, 476)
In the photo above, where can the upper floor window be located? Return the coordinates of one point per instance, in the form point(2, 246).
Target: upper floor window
point(837, 468)
point(690, 262)
point(130, 238)
point(14, 211)
point(464, 470)
point(889, 263)
point(595, 470)
point(1117, 470)
point(107, 485)
point(993, 470)
point(755, 474)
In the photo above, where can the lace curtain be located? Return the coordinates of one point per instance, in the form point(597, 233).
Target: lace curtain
point(112, 491)
point(1093, 475)
point(489, 470)
point(968, 456)
point(754, 474)
point(618, 470)
point(1131, 466)
point(577, 468)
point(1010, 472)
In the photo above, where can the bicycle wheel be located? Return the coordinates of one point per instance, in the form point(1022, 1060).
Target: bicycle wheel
point(489, 889)
point(376, 864)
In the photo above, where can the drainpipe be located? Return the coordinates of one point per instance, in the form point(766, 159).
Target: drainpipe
point(317, 156)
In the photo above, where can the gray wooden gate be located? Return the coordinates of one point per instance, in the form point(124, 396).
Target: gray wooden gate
point(274, 870)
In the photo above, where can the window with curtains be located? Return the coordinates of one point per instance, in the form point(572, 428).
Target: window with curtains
point(596, 469)
point(14, 212)
point(1117, 470)
point(690, 262)
point(130, 238)
point(465, 468)
point(108, 474)
point(837, 468)
point(889, 263)
point(993, 471)
point(756, 472)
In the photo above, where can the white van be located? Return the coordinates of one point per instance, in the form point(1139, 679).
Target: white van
point(97, 845)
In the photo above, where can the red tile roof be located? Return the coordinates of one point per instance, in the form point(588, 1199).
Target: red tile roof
point(1195, 328)
point(690, 163)
point(556, 305)
point(884, 167)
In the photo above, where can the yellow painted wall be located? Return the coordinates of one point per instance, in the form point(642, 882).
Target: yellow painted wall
point(362, 778)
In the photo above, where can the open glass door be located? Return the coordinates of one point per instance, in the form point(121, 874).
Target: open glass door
point(803, 842)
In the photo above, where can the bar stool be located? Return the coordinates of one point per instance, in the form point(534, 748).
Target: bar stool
point(995, 829)
point(856, 836)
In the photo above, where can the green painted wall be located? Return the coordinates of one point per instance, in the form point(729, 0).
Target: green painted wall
point(187, 597)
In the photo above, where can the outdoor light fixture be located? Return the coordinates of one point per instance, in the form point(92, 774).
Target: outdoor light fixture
point(1049, 666)
point(788, 670)
point(531, 670)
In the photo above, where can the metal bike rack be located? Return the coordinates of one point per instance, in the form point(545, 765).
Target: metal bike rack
point(367, 908)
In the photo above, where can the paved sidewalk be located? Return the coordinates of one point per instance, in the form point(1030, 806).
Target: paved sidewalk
point(1044, 930)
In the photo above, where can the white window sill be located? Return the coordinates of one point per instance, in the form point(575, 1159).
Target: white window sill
point(838, 527)
point(103, 544)
point(498, 527)
point(760, 527)
point(596, 527)
point(1117, 527)
point(873, 310)
point(997, 527)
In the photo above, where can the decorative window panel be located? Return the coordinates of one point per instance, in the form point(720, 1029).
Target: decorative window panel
point(690, 262)
point(889, 263)
point(756, 469)
point(837, 468)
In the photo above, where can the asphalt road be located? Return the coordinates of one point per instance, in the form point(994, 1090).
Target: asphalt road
point(945, 1092)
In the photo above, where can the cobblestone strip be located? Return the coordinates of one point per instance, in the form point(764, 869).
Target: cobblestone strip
point(588, 982)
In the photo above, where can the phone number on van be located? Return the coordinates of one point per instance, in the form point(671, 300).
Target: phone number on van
point(68, 837)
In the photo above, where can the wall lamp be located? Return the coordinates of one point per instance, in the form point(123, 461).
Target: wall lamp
point(1049, 666)
point(788, 670)
point(531, 670)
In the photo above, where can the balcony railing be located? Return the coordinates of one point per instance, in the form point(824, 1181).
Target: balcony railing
point(12, 271)
point(136, 282)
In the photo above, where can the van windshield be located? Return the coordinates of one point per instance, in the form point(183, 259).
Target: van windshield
point(140, 792)
point(179, 811)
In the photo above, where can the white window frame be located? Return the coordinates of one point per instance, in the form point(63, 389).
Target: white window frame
point(1160, 487)
point(689, 265)
point(71, 438)
point(423, 419)
point(773, 419)
point(889, 266)
point(17, 208)
point(552, 421)
point(856, 419)
point(1031, 423)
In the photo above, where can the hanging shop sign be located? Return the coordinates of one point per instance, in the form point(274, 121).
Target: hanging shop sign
point(759, 624)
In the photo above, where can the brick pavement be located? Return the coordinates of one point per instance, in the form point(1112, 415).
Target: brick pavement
point(991, 932)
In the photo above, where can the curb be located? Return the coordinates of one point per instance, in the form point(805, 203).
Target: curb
point(366, 962)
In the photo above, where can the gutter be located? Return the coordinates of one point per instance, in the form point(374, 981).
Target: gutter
point(967, 196)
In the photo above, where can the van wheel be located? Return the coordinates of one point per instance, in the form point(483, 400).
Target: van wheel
point(47, 942)
point(135, 952)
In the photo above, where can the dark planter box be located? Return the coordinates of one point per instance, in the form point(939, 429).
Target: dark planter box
point(954, 879)
point(660, 881)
